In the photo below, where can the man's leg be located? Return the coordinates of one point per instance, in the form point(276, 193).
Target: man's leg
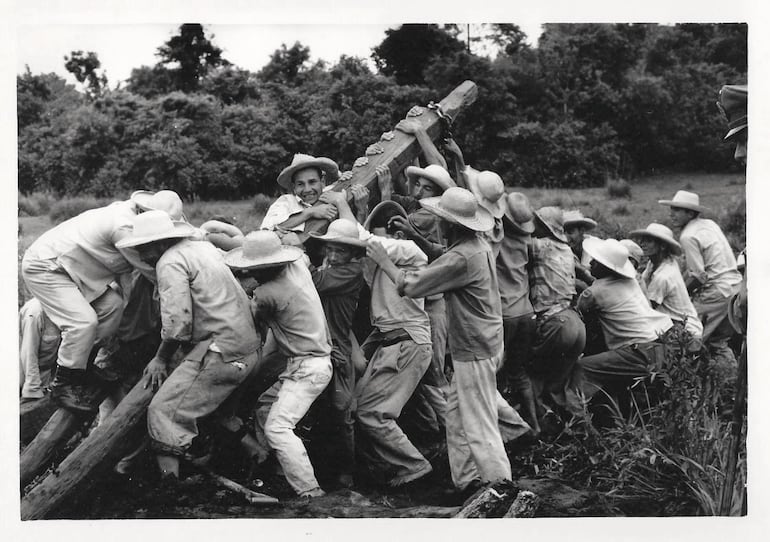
point(390, 379)
point(518, 334)
point(461, 465)
point(301, 384)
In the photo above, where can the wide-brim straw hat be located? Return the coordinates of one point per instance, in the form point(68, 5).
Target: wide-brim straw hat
point(635, 252)
point(154, 226)
point(733, 103)
point(489, 190)
point(342, 231)
point(553, 220)
point(659, 232)
point(163, 200)
point(575, 217)
point(261, 249)
point(611, 254)
point(434, 173)
point(459, 205)
point(520, 213)
point(685, 200)
point(382, 206)
point(304, 161)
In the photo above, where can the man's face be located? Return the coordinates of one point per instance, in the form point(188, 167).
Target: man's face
point(150, 253)
point(307, 185)
point(575, 234)
point(679, 217)
point(423, 188)
point(338, 254)
point(650, 247)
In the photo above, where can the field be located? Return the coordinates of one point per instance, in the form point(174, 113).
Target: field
point(636, 468)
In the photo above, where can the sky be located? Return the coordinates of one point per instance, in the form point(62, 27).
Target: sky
point(122, 47)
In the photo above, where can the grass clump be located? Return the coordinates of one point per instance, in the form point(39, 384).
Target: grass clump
point(73, 206)
point(618, 188)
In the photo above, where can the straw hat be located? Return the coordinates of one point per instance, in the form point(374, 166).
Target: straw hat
point(659, 232)
point(379, 208)
point(553, 219)
point(459, 205)
point(260, 249)
point(434, 173)
point(635, 252)
point(685, 200)
point(154, 226)
point(163, 200)
point(574, 217)
point(611, 254)
point(519, 211)
point(342, 231)
point(733, 101)
point(489, 190)
point(304, 161)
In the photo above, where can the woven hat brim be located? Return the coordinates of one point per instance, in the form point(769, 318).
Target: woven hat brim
point(482, 220)
point(673, 243)
point(496, 208)
point(690, 206)
point(560, 235)
point(581, 221)
point(523, 227)
point(324, 164)
point(413, 172)
point(735, 130)
point(338, 239)
point(181, 229)
point(237, 260)
point(591, 246)
point(378, 209)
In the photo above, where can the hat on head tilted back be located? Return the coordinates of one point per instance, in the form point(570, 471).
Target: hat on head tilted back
point(304, 161)
point(611, 254)
point(459, 206)
point(733, 103)
point(575, 217)
point(553, 219)
point(381, 208)
point(685, 200)
point(163, 200)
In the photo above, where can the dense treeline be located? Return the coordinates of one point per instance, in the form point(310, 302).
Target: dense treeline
point(590, 102)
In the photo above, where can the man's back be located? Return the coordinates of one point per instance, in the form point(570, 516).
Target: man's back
point(709, 257)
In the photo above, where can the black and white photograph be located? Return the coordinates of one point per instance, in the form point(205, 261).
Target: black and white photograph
point(386, 265)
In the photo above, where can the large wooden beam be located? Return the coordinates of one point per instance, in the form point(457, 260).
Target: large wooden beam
point(92, 451)
point(399, 148)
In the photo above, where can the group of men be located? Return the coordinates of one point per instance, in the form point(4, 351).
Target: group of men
point(476, 302)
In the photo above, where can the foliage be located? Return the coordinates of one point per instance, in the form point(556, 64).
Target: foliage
point(618, 188)
point(732, 220)
point(84, 67)
point(36, 204)
point(193, 54)
point(67, 208)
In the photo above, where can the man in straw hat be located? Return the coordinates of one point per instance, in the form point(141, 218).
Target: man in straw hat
point(662, 279)
point(560, 335)
point(338, 282)
point(465, 274)
point(489, 190)
point(288, 303)
point(733, 103)
point(201, 304)
point(72, 269)
point(576, 228)
point(399, 352)
point(630, 326)
point(711, 275)
point(517, 311)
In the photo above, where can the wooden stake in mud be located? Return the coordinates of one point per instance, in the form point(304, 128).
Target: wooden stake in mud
point(103, 442)
point(397, 149)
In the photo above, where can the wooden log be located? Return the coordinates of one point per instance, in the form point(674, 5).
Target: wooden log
point(490, 502)
point(426, 512)
point(524, 506)
point(399, 151)
point(83, 460)
point(33, 415)
point(252, 496)
point(58, 430)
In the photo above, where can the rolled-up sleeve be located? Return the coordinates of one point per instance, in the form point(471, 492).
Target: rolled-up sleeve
point(448, 272)
point(175, 301)
point(695, 265)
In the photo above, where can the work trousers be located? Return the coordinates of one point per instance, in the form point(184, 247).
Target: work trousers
point(285, 404)
point(474, 444)
point(82, 324)
point(338, 413)
point(387, 384)
point(196, 388)
point(717, 329)
point(518, 334)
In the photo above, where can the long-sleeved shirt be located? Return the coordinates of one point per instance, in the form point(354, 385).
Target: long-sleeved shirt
point(339, 287)
point(39, 340)
point(466, 275)
point(200, 299)
point(551, 275)
point(281, 210)
point(512, 274)
point(84, 246)
point(625, 315)
point(665, 286)
point(709, 259)
point(290, 305)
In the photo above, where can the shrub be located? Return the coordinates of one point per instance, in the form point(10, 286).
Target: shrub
point(619, 188)
point(261, 204)
point(36, 204)
point(732, 219)
point(621, 210)
point(69, 207)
